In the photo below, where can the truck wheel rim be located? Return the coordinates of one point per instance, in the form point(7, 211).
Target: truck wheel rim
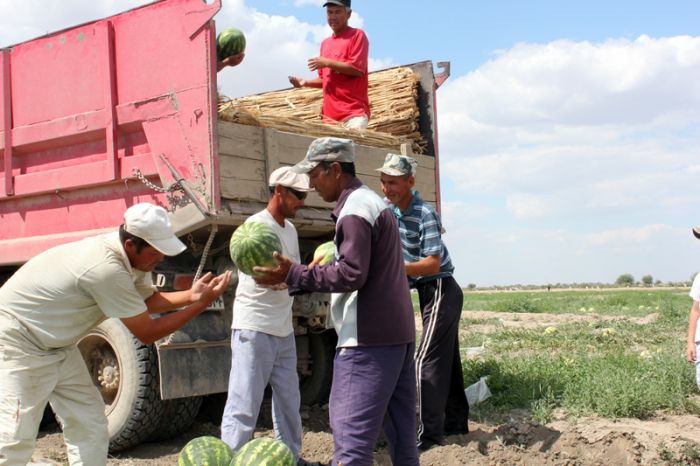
point(104, 368)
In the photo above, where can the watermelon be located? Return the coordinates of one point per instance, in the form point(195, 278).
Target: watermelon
point(205, 451)
point(325, 252)
point(264, 452)
point(252, 244)
point(229, 42)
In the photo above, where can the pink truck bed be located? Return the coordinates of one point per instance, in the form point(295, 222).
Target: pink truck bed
point(83, 108)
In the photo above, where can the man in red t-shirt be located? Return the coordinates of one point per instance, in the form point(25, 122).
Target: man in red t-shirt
point(342, 70)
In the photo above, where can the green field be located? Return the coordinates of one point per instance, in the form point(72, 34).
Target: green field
point(612, 353)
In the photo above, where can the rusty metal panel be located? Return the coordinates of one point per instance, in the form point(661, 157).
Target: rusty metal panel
point(195, 369)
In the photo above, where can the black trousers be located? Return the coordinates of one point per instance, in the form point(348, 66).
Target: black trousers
point(442, 404)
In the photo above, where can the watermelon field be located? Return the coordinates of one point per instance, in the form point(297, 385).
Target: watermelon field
point(577, 377)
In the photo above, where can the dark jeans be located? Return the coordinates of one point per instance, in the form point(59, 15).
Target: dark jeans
point(442, 403)
point(374, 387)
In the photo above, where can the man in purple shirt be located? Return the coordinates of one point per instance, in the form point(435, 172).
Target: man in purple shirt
point(371, 309)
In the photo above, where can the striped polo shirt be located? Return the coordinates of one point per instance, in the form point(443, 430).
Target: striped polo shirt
point(420, 229)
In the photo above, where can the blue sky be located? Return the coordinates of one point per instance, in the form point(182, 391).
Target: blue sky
point(569, 131)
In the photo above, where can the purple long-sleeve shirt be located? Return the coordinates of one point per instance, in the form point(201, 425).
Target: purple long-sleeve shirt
point(371, 303)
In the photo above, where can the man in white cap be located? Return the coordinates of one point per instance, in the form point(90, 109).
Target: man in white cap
point(443, 408)
point(262, 342)
point(56, 298)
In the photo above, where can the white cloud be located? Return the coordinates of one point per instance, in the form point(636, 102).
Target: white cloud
point(463, 211)
point(300, 3)
point(625, 236)
point(586, 156)
point(588, 126)
point(524, 205)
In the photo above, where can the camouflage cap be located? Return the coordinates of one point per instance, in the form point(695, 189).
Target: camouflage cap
point(328, 149)
point(399, 165)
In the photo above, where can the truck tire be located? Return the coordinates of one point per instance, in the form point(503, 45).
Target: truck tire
point(177, 417)
point(125, 371)
point(316, 387)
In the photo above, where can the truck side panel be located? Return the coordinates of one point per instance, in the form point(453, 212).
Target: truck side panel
point(249, 153)
point(82, 109)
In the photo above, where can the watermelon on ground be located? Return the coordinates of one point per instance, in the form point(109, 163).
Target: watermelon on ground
point(325, 252)
point(229, 42)
point(252, 244)
point(263, 452)
point(205, 451)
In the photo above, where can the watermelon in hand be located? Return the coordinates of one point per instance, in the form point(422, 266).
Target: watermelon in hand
point(264, 452)
point(205, 451)
point(325, 253)
point(229, 42)
point(252, 245)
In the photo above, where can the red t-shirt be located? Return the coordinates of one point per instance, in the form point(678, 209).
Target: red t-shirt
point(345, 96)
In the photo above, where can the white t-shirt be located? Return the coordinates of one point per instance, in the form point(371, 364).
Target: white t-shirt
point(64, 292)
point(695, 294)
point(263, 309)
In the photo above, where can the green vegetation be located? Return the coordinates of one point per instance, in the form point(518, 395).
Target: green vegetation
point(625, 279)
point(611, 358)
point(688, 454)
point(632, 302)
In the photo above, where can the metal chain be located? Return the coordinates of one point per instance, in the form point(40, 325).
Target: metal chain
point(205, 252)
point(214, 228)
point(173, 187)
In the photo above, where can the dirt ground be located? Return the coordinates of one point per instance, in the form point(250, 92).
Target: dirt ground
point(514, 439)
point(582, 441)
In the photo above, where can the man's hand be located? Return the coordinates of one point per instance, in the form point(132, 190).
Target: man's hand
point(316, 63)
point(208, 287)
point(296, 82)
point(233, 60)
point(273, 275)
point(691, 353)
point(315, 262)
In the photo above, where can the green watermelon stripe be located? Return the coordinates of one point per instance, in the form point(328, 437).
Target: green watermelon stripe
point(252, 244)
point(205, 451)
point(264, 452)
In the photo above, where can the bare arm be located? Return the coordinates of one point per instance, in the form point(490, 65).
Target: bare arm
point(316, 63)
point(692, 324)
point(298, 82)
point(197, 299)
point(167, 301)
point(427, 266)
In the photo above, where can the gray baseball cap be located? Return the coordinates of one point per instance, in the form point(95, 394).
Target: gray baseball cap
point(328, 149)
point(398, 165)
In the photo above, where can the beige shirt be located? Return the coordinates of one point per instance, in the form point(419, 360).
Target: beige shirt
point(64, 292)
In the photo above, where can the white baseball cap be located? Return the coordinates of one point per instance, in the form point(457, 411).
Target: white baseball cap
point(287, 177)
point(152, 224)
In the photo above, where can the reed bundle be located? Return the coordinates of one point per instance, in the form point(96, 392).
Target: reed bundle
point(393, 96)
